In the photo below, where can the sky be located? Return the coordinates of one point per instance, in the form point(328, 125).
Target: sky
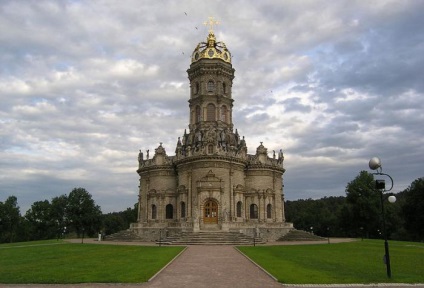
point(85, 85)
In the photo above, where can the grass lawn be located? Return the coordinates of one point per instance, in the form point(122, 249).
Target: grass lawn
point(50, 262)
point(342, 263)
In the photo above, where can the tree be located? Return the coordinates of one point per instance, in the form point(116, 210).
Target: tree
point(59, 214)
point(113, 222)
point(321, 214)
point(413, 209)
point(117, 221)
point(363, 209)
point(83, 214)
point(41, 223)
point(9, 219)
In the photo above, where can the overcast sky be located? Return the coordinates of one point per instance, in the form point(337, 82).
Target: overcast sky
point(85, 84)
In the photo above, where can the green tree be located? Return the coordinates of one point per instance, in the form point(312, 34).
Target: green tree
point(321, 214)
point(413, 209)
point(41, 223)
point(113, 222)
point(83, 214)
point(117, 221)
point(59, 215)
point(363, 209)
point(10, 217)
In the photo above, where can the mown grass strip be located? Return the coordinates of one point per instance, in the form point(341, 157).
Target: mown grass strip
point(82, 263)
point(342, 263)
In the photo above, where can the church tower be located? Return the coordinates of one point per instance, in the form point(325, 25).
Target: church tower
point(211, 80)
point(211, 183)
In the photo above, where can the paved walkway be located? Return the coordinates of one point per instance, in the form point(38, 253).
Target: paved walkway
point(211, 266)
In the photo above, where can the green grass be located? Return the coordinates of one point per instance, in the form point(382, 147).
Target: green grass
point(45, 262)
point(342, 263)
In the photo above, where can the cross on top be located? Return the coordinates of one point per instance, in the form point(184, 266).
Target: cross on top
point(210, 23)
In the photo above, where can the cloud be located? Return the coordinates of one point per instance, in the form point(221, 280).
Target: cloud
point(84, 86)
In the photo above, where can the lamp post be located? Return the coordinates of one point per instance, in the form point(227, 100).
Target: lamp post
point(380, 186)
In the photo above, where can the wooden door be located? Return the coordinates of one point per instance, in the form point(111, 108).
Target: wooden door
point(210, 212)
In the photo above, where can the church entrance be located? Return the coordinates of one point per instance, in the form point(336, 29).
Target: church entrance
point(210, 212)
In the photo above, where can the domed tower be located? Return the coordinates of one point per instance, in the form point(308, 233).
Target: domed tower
point(211, 183)
point(211, 80)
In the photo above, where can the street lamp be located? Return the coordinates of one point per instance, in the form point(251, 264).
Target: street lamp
point(380, 186)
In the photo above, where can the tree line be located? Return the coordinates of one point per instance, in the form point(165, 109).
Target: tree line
point(70, 215)
point(359, 213)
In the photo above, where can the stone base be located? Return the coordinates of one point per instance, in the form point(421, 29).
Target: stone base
point(266, 231)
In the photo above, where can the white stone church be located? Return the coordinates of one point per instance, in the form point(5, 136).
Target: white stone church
point(211, 184)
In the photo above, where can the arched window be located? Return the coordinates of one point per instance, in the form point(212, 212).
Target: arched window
point(211, 86)
point(269, 211)
point(224, 113)
point(183, 212)
point(198, 114)
point(197, 88)
point(210, 149)
point(239, 208)
point(169, 211)
point(253, 211)
point(210, 112)
point(224, 88)
point(154, 212)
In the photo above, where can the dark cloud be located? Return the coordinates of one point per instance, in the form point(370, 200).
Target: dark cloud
point(84, 86)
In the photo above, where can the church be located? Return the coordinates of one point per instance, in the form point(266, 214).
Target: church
point(211, 183)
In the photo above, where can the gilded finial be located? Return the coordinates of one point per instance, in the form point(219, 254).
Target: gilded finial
point(211, 22)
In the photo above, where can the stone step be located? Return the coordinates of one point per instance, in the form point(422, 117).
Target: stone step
point(298, 235)
point(210, 238)
point(124, 235)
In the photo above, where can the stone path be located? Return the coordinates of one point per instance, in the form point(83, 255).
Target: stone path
point(212, 266)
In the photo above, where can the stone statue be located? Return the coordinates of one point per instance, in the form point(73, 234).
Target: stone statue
point(280, 156)
point(147, 154)
point(140, 157)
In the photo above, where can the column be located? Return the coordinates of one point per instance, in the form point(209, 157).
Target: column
point(189, 197)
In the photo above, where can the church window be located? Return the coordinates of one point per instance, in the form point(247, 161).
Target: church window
point(210, 112)
point(211, 86)
point(198, 114)
point(183, 210)
point(224, 113)
point(239, 209)
point(224, 88)
point(210, 149)
point(269, 211)
point(197, 88)
point(253, 211)
point(154, 212)
point(169, 211)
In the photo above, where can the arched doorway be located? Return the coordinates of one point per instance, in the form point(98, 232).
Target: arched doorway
point(210, 212)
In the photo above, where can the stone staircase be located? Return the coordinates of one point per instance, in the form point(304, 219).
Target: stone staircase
point(210, 238)
point(298, 235)
point(124, 235)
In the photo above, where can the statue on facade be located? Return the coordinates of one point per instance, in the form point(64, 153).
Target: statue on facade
point(280, 156)
point(140, 158)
